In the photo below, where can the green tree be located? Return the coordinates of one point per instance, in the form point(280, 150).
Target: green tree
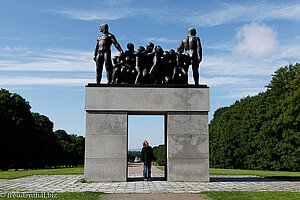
point(46, 144)
point(17, 129)
point(72, 148)
point(260, 132)
point(159, 154)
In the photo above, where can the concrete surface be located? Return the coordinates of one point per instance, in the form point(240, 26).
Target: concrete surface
point(187, 146)
point(105, 169)
point(146, 99)
point(186, 112)
point(106, 147)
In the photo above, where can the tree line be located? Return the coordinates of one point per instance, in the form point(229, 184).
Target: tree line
point(28, 140)
point(159, 154)
point(132, 154)
point(261, 132)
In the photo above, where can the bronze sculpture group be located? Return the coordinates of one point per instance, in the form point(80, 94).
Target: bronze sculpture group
point(150, 65)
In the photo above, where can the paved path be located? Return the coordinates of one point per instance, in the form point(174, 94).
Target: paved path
point(138, 169)
point(135, 173)
point(70, 183)
point(164, 196)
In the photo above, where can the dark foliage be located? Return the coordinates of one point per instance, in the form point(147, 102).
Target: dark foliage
point(260, 132)
point(159, 154)
point(28, 141)
point(132, 154)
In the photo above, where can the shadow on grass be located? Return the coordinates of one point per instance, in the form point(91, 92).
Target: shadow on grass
point(285, 178)
point(242, 179)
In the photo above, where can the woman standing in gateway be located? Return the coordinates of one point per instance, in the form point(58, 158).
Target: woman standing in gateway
point(147, 158)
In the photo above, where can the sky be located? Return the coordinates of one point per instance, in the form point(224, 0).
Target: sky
point(46, 48)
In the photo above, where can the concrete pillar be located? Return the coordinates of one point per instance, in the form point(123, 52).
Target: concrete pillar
point(187, 146)
point(106, 146)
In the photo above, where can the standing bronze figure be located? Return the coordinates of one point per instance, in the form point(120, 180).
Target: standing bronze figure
point(192, 46)
point(103, 53)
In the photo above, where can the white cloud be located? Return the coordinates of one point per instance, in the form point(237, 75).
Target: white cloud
point(256, 40)
point(226, 14)
point(229, 13)
point(257, 54)
point(240, 93)
point(116, 2)
point(290, 52)
point(218, 15)
point(282, 11)
point(40, 38)
point(16, 49)
point(231, 65)
point(103, 14)
point(27, 80)
point(47, 60)
point(220, 46)
point(46, 65)
point(110, 11)
point(222, 81)
point(161, 39)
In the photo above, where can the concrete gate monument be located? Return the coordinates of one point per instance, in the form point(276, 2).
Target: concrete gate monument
point(147, 82)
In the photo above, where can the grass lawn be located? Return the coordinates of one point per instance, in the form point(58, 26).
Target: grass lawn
point(60, 171)
point(236, 195)
point(266, 174)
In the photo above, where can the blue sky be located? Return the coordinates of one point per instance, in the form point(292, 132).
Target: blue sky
point(46, 47)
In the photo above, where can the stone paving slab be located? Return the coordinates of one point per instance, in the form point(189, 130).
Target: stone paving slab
point(71, 183)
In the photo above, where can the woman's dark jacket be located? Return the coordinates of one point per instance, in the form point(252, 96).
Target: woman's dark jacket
point(147, 154)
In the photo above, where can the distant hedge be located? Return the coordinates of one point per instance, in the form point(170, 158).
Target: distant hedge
point(260, 132)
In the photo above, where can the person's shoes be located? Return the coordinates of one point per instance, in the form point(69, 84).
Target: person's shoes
point(148, 179)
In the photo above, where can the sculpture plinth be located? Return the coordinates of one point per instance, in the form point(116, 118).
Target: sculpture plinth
point(186, 120)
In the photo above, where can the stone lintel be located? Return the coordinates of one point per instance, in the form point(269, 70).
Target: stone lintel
point(147, 99)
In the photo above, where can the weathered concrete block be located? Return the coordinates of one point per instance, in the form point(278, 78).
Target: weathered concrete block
point(106, 123)
point(106, 146)
point(188, 146)
point(188, 170)
point(187, 123)
point(105, 169)
point(146, 99)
